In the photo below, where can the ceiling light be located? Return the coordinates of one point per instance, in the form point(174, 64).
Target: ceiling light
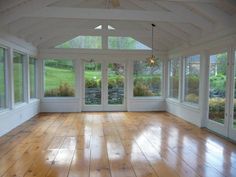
point(152, 60)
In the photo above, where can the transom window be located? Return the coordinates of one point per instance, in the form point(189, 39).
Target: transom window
point(95, 42)
point(83, 42)
point(126, 43)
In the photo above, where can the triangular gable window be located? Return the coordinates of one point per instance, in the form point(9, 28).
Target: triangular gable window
point(100, 27)
point(83, 42)
point(109, 27)
point(125, 43)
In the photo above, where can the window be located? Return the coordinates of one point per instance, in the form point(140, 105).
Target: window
point(147, 79)
point(32, 76)
point(83, 42)
point(174, 72)
point(18, 61)
point(100, 27)
point(59, 78)
point(191, 79)
point(2, 78)
point(126, 43)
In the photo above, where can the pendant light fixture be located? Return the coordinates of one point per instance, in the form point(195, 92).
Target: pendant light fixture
point(152, 60)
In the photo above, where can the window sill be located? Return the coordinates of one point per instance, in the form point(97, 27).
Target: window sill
point(4, 111)
point(33, 100)
point(148, 98)
point(60, 99)
point(19, 105)
point(185, 105)
point(191, 106)
point(173, 100)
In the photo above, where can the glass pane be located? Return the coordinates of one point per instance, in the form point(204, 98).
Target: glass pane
point(32, 71)
point(147, 79)
point(83, 42)
point(191, 82)
point(174, 79)
point(18, 61)
point(217, 85)
point(2, 79)
point(116, 76)
point(59, 78)
point(93, 76)
point(234, 124)
point(128, 43)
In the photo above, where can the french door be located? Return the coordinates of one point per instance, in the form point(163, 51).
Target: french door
point(104, 86)
point(222, 94)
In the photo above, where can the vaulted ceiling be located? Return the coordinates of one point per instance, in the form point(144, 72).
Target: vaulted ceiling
point(46, 23)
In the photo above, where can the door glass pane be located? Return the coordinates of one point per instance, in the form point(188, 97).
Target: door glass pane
point(116, 75)
point(234, 122)
point(217, 86)
point(18, 61)
point(92, 76)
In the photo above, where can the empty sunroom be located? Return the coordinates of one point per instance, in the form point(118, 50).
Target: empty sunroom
point(118, 88)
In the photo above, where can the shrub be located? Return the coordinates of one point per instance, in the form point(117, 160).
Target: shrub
point(120, 81)
point(218, 83)
point(111, 83)
point(142, 90)
point(64, 89)
point(192, 82)
point(193, 98)
point(91, 83)
point(216, 109)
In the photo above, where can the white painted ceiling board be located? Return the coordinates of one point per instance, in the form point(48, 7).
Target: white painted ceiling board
point(179, 22)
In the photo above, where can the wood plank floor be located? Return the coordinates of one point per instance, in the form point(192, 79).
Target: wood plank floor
point(115, 144)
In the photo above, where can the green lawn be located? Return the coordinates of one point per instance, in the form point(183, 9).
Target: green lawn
point(91, 74)
point(18, 83)
point(55, 76)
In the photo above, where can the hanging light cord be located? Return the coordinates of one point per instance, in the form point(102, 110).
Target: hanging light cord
point(153, 25)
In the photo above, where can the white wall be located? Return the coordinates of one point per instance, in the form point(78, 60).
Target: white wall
point(15, 115)
point(9, 119)
point(60, 105)
point(184, 111)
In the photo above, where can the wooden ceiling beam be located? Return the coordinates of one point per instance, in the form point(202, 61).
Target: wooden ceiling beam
point(111, 14)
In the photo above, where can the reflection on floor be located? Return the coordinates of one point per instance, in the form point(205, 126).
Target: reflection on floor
point(116, 144)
